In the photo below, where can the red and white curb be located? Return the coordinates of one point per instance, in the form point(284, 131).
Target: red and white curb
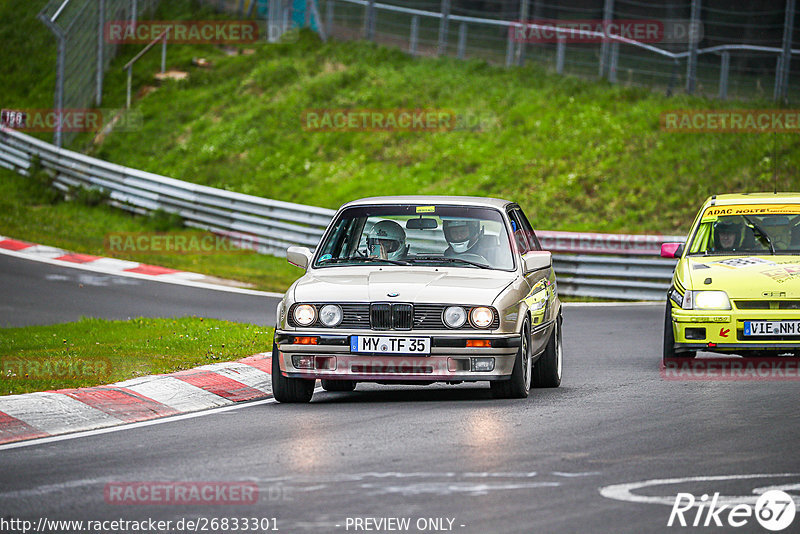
point(51, 413)
point(132, 269)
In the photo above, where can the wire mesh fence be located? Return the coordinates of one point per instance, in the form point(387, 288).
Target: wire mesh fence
point(83, 53)
point(715, 48)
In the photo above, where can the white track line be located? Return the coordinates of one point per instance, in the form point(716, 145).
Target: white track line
point(154, 278)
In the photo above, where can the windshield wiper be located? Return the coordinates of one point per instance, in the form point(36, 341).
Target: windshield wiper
point(362, 259)
point(449, 260)
point(761, 232)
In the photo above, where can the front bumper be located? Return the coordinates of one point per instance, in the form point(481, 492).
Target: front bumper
point(450, 360)
point(723, 331)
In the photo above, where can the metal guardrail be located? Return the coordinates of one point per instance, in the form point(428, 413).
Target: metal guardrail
point(271, 226)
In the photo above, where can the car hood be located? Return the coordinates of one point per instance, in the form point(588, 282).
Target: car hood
point(442, 285)
point(747, 276)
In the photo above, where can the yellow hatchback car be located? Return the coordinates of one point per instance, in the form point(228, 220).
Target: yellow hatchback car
point(736, 287)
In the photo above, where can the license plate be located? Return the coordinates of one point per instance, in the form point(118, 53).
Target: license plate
point(391, 345)
point(772, 328)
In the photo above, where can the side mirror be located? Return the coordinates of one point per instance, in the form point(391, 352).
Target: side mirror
point(671, 250)
point(536, 260)
point(298, 256)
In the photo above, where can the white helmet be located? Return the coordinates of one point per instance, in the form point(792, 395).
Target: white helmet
point(461, 233)
point(389, 236)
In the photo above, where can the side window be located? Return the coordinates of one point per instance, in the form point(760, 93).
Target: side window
point(519, 231)
point(528, 229)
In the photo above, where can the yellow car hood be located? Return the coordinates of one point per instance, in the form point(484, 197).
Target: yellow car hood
point(746, 277)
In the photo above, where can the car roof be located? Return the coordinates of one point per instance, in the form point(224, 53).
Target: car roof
point(752, 198)
point(431, 199)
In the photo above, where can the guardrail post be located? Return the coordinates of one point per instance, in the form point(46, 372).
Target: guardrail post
point(134, 12)
point(725, 64)
point(510, 44)
point(412, 40)
point(130, 81)
point(274, 10)
point(561, 49)
point(369, 21)
point(164, 52)
point(608, 16)
point(524, 6)
point(101, 22)
point(612, 68)
point(240, 9)
point(462, 40)
point(782, 73)
point(691, 64)
point(444, 24)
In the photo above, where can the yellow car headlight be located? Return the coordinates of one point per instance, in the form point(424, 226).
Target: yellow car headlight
point(706, 300)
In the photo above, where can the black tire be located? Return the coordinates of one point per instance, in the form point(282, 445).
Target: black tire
point(547, 371)
point(289, 389)
point(519, 385)
point(669, 339)
point(338, 385)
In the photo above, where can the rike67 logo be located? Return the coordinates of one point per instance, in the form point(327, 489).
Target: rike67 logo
point(774, 510)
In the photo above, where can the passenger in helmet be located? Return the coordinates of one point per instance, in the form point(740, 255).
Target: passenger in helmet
point(727, 235)
point(779, 229)
point(387, 240)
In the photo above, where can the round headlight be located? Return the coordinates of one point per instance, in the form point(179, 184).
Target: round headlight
point(330, 315)
point(455, 316)
point(305, 314)
point(481, 317)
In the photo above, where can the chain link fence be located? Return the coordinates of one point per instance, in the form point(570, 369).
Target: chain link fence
point(714, 48)
point(83, 53)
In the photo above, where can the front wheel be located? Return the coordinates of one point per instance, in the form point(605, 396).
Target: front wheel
point(547, 371)
point(289, 389)
point(669, 339)
point(519, 385)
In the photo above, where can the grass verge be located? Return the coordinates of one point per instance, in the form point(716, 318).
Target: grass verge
point(92, 352)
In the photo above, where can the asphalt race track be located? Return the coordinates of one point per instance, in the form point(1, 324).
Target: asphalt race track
point(39, 293)
point(552, 463)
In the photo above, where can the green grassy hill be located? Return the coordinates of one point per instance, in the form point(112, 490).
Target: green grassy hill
point(577, 154)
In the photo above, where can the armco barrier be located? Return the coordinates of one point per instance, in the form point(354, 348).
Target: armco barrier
point(612, 266)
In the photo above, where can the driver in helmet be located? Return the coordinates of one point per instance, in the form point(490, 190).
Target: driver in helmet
point(727, 235)
point(387, 240)
point(464, 236)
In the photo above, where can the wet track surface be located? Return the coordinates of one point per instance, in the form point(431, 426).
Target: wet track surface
point(544, 464)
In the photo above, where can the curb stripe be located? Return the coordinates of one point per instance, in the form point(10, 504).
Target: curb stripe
point(55, 413)
point(13, 244)
point(217, 384)
point(246, 374)
point(121, 403)
point(12, 429)
point(153, 270)
point(177, 394)
point(78, 258)
point(261, 361)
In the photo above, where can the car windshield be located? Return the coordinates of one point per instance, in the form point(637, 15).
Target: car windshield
point(412, 235)
point(748, 230)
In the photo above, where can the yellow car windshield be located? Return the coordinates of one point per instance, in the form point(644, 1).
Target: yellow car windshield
point(748, 230)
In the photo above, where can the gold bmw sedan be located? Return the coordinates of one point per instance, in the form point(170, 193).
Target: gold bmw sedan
point(417, 290)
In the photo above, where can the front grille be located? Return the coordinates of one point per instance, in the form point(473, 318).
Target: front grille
point(380, 316)
point(402, 316)
point(767, 304)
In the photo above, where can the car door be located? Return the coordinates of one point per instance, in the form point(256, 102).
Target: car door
point(541, 282)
